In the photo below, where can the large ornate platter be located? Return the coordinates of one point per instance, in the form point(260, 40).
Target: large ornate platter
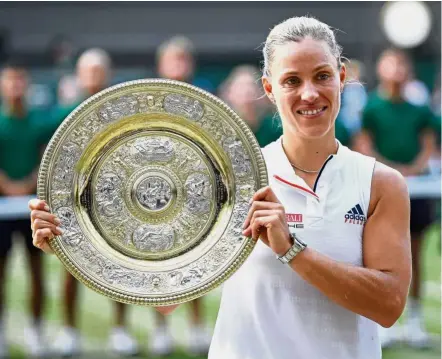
point(152, 181)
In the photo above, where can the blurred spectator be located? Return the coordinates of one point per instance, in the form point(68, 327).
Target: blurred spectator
point(435, 163)
point(342, 133)
point(242, 91)
point(354, 98)
point(175, 61)
point(62, 52)
point(68, 91)
point(93, 75)
point(416, 93)
point(23, 133)
point(436, 107)
point(400, 135)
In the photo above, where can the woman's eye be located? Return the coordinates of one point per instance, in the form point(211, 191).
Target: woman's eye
point(292, 81)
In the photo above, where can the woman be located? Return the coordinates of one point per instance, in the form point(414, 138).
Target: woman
point(352, 213)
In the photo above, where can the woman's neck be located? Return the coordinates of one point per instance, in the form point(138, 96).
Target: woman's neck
point(309, 154)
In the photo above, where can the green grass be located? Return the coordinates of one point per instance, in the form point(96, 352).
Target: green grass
point(96, 312)
point(432, 301)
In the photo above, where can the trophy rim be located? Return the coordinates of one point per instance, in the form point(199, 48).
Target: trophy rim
point(43, 193)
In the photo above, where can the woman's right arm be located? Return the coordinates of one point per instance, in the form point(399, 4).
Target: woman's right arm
point(45, 227)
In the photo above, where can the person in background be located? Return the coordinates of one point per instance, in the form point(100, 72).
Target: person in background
point(24, 132)
point(354, 98)
point(243, 93)
point(68, 91)
point(176, 61)
point(436, 107)
point(93, 74)
point(62, 52)
point(342, 133)
point(400, 135)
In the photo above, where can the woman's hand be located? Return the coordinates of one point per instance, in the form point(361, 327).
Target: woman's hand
point(266, 220)
point(44, 225)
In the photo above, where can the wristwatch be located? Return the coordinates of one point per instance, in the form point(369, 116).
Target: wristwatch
point(298, 246)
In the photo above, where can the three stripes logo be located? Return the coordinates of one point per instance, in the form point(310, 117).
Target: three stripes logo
point(355, 215)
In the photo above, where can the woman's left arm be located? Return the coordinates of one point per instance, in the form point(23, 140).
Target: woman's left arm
point(379, 289)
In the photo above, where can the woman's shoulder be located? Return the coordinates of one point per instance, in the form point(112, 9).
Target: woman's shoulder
point(387, 184)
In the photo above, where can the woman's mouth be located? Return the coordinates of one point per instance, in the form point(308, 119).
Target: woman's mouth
point(312, 112)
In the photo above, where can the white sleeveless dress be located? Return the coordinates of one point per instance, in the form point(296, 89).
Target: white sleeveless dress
point(267, 310)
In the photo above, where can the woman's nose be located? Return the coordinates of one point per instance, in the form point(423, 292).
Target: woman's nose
point(309, 93)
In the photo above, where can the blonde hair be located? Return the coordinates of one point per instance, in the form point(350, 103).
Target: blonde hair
point(296, 29)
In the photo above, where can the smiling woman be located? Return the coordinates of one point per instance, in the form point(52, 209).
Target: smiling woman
point(337, 220)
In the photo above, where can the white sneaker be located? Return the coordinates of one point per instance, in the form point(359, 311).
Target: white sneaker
point(391, 336)
point(122, 343)
point(162, 342)
point(417, 337)
point(67, 342)
point(199, 341)
point(34, 341)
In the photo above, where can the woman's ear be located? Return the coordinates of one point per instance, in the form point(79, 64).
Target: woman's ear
point(342, 77)
point(267, 85)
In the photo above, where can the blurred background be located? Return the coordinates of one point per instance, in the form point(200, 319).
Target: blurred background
point(53, 55)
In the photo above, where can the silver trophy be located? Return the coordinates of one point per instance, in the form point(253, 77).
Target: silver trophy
point(152, 181)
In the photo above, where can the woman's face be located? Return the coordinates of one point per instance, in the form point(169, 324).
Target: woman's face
point(305, 85)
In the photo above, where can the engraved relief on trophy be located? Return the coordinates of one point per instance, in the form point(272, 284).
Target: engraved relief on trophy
point(159, 149)
point(153, 238)
point(150, 102)
point(63, 171)
point(154, 193)
point(66, 216)
point(72, 234)
point(238, 156)
point(199, 191)
point(121, 107)
point(108, 188)
point(182, 105)
point(86, 130)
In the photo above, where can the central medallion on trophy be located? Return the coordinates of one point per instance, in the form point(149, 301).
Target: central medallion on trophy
point(154, 193)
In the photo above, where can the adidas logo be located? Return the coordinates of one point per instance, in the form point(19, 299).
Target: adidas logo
point(355, 215)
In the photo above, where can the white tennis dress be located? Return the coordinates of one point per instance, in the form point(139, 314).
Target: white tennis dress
point(267, 310)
